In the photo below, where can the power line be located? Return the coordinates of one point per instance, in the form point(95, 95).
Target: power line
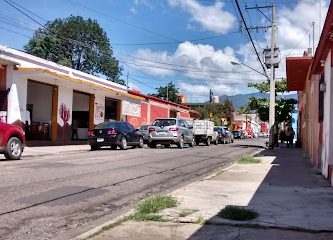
point(124, 22)
point(248, 32)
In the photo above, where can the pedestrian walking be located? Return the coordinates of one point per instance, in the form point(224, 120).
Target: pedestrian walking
point(290, 136)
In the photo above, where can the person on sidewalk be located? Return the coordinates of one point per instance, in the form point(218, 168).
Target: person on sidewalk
point(290, 136)
point(74, 130)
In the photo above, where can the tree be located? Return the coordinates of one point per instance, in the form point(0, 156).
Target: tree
point(76, 43)
point(216, 111)
point(169, 92)
point(283, 107)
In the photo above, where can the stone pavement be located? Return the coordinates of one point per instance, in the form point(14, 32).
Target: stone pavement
point(292, 199)
point(53, 150)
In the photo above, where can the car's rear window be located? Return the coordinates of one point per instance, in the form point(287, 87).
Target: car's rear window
point(164, 122)
point(108, 125)
point(235, 131)
point(216, 128)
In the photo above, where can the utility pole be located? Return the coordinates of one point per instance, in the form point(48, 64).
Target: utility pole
point(127, 81)
point(272, 84)
point(167, 92)
point(272, 64)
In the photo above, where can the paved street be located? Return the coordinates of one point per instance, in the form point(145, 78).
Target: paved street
point(59, 197)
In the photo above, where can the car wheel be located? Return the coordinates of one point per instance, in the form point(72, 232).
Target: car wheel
point(208, 141)
point(192, 144)
point(123, 144)
point(152, 145)
point(114, 147)
point(140, 145)
point(94, 147)
point(14, 149)
point(215, 142)
point(181, 142)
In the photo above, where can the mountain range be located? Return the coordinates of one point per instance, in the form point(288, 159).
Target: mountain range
point(242, 99)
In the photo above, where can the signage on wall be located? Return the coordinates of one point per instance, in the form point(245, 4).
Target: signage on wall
point(99, 111)
point(131, 109)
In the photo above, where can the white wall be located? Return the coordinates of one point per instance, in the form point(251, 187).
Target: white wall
point(99, 111)
point(40, 96)
point(17, 97)
point(65, 96)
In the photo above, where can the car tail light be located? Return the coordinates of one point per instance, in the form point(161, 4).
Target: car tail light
point(112, 132)
point(91, 133)
point(151, 129)
point(173, 129)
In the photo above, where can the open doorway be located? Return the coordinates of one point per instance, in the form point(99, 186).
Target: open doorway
point(38, 114)
point(80, 118)
point(112, 109)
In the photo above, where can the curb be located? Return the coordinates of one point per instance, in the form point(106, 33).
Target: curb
point(55, 153)
point(101, 228)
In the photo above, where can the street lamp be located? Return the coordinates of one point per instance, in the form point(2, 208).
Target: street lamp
point(237, 63)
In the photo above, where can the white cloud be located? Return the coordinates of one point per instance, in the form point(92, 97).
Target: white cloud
point(133, 10)
point(213, 18)
point(200, 67)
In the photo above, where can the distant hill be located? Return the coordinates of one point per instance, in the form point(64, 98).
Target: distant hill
point(242, 99)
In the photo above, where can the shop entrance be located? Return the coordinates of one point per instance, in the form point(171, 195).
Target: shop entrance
point(38, 114)
point(81, 115)
point(112, 109)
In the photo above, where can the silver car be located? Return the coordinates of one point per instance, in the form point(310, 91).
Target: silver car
point(167, 131)
point(144, 131)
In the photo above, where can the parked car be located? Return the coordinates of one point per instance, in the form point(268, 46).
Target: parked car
point(114, 134)
point(245, 134)
point(231, 136)
point(167, 131)
point(144, 132)
point(222, 136)
point(238, 134)
point(12, 141)
point(203, 131)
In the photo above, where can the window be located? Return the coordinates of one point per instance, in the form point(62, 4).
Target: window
point(130, 127)
point(164, 122)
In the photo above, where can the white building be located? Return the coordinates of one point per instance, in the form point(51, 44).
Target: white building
point(46, 98)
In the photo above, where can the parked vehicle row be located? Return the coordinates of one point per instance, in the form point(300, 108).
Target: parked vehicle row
point(163, 131)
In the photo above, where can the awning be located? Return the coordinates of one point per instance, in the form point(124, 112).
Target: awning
point(297, 71)
point(78, 80)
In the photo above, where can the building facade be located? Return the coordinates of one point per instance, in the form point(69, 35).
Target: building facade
point(312, 78)
point(49, 100)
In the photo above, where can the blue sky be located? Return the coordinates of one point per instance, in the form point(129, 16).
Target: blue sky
point(189, 42)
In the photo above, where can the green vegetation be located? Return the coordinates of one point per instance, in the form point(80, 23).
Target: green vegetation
point(76, 43)
point(216, 111)
point(237, 213)
point(169, 92)
point(246, 159)
point(148, 209)
point(185, 212)
point(201, 220)
point(283, 107)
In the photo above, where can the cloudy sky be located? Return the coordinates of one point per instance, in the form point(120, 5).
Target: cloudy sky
point(188, 42)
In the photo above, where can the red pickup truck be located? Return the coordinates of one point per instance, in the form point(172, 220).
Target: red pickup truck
point(12, 141)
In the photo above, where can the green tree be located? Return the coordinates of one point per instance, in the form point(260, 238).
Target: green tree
point(170, 92)
point(283, 107)
point(76, 43)
point(216, 111)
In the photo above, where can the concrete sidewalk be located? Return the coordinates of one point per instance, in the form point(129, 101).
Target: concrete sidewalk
point(293, 202)
point(53, 150)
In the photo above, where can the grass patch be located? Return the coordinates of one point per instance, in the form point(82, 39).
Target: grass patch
point(246, 159)
point(237, 213)
point(147, 217)
point(147, 210)
point(155, 204)
point(185, 213)
point(201, 220)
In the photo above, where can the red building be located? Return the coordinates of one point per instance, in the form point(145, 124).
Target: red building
point(153, 107)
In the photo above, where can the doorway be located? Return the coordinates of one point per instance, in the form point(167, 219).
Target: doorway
point(112, 109)
point(80, 115)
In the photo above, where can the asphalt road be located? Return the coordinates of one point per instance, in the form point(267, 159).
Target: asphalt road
point(63, 196)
